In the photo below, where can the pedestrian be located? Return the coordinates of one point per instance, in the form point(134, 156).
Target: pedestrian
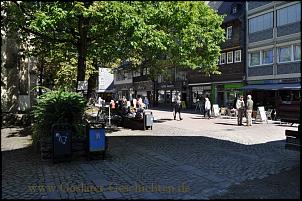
point(100, 100)
point(240, 108)
point(197, 105)
point(177, 107)
point(249, 110)
point(146, 102)
point(207, 107)
point(112, 104)
point(134, 101)
point(139, 101)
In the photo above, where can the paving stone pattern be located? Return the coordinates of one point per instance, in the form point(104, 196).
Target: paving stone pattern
point(189, 159)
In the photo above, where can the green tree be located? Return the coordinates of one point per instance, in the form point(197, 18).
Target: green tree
point(156, 34)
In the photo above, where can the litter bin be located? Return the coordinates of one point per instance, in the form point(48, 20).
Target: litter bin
point(148, 118)
point(97, 140)
point(61, 138)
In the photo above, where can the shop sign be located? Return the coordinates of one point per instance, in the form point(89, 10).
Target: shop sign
point(201, 88)
point(233, 85)
point(166, 86)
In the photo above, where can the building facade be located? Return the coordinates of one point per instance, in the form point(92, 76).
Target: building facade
point(222, 89)
point(19, 75)
point(105, 84)
point(167, 86)
point(123, 82)
point(273, 50)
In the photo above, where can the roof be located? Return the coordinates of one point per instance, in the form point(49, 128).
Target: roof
point(215, 4)
point(225, 8)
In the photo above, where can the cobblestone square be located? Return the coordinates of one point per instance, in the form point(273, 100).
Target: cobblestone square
point(194, 158)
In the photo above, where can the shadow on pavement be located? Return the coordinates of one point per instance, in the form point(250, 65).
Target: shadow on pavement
point(257, 188)
point(162, 120)
point(286, 125)
point(214, 156)
point(197, 118)
point(228, 124)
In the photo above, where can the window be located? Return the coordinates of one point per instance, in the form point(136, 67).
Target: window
point(102, 82)
point(222, 58)
point(297, 52)
point(229, 32)
point(255, 58)
point(261, 22)
point(237, 56)
point(289, 15)
point(230, 57)
point(284, 54)
point(267, 56)
point(136, 73)
point(234, 10)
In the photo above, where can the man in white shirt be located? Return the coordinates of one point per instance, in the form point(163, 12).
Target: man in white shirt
point(240, 108)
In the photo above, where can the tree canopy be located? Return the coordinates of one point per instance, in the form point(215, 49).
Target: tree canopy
point(158, 34)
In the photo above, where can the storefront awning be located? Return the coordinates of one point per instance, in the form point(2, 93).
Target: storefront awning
point(291, 86)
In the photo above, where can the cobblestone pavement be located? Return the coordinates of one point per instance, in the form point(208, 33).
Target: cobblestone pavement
point(190, 159)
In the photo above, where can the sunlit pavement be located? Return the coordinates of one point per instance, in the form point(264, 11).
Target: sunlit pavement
point(194, 158)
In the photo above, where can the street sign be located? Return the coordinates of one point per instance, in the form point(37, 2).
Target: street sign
point(215, 110)
point(261, 114)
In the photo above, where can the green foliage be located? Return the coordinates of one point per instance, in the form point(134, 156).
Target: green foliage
point(57, 107)
point(66, 76)
point(187, 33)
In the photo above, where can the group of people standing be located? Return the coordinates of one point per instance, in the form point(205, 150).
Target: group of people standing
point(205, 107)
point(241, 108)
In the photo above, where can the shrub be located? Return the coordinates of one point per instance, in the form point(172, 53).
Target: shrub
point(57, 107)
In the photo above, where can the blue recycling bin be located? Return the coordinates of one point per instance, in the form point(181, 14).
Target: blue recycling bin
point(62, 138)
point(97, 141)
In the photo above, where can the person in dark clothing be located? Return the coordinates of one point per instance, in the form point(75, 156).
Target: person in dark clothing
point(235, 102)
point(177, 107)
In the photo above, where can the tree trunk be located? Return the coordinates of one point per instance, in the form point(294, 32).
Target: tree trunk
point(82, 49)
point(11, 66)
point(83, 25)
point(41, 76)
point(92, 80)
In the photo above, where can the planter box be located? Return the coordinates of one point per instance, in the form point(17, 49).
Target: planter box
point(79, 148)
point(132, 123)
